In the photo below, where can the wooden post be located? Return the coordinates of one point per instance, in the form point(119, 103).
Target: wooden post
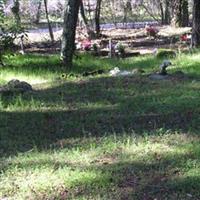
point(22, 44)
point(110, 49)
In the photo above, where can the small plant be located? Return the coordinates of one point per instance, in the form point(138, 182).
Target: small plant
point(95, 47)
point(166, 53)
point(120, 49)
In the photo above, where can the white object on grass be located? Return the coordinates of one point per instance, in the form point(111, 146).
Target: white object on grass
point(116, 72)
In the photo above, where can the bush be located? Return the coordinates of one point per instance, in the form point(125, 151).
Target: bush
point(8, 33)
point(120, 49)
point(166, 53)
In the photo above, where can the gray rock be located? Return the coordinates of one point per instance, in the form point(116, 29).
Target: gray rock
point(13, 82)
point(15, 86)
point(163, 67)
point(158, 77)
point(25, 86)
point(179, 74)
point(5, 90)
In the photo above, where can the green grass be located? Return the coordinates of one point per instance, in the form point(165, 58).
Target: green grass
point(100, 137)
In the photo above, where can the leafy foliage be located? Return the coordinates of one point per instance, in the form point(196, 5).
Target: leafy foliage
point(166, 53)
point(9, 31)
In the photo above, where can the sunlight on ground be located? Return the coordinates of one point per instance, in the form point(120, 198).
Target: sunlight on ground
point(87, 167)
point(7, 76)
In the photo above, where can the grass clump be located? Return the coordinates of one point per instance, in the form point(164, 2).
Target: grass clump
point(166, 53)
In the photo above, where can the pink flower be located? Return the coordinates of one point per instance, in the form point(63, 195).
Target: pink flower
point(86, 44)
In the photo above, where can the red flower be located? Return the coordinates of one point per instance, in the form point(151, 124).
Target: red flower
point(152, 31)
point(184, 37)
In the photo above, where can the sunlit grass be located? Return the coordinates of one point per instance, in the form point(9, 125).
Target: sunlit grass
point(86, 168)
point(39, 69)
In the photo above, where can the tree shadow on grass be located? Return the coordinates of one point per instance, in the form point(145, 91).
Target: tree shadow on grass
point(94, 108)
point(161, 178)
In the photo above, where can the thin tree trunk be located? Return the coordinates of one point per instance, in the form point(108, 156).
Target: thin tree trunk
point(185, 13)
point(97, 18)
point(48, 21)
point(90, 32)
point(162, 12)
point(69, 32)
point(37, 19)
point(196, 24)
point(15, 10)
point(167, 12)
point(181, 14)
point(90, 13)
point(147, 10)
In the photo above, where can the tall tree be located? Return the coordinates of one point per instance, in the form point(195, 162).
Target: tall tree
point(48, 21)
point(37, 19)
point(167, 12)
point(196, 24)
point(97, 17)
point(185, 13)
point(15, 10)
point(127, 9)
point(181, 13)
point(69, 32)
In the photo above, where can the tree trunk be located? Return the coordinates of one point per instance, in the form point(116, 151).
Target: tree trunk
point(15, 10)
point(196, 24)
point(185, 13)
point(90, 32)
point(48, 21)
point(69, 32)
point(162, 12)
point(97, 18)
point(176, 21)
point(181, 14)
point(37, 19)
point(167, 12)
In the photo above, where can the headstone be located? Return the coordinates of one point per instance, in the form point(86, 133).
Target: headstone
point(15, 86)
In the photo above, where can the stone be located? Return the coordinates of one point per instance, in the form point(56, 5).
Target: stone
point(15, 86)
point(158, 77)
point(13, 82)
point(179, 74)
point(163, 67)
point(24, 86)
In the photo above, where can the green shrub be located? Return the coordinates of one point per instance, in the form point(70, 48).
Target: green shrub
point(9, 31)
point(166, 53)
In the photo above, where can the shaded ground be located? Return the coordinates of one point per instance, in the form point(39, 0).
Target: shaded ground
point(100, 137)
point(105, 105)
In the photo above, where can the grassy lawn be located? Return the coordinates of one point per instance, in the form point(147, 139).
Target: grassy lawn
point(100, 137)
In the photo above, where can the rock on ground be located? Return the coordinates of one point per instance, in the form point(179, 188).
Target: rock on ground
point(15, 86)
